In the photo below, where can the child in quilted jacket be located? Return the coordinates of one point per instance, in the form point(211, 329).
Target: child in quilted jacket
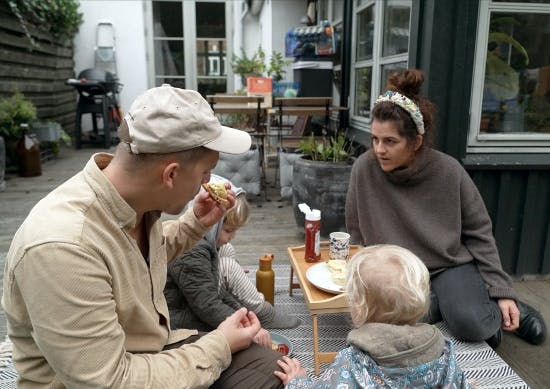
point(207, 284)
point(388, 291)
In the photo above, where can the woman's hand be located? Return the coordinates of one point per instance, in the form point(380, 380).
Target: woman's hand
point(510, 314)
point(291, 368)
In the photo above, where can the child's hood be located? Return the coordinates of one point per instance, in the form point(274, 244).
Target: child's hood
point(398, 345)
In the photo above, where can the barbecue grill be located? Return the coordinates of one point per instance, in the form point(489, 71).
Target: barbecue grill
point(97, 95)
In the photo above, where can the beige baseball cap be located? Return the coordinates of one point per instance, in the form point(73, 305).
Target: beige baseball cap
point(167, 119)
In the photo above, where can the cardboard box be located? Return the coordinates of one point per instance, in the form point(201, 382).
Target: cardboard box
point(262, 86)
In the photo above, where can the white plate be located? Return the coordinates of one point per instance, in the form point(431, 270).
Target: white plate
point(278, 338)
point(319, 275)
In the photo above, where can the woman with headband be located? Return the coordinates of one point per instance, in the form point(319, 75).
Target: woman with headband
point(403, 192)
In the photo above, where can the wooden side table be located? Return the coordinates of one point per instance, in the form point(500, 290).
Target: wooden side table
point(317, 301)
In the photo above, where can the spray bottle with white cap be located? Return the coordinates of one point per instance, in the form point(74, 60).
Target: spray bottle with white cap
point(312, 228)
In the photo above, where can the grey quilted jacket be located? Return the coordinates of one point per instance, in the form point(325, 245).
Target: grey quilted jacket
point(192, 291)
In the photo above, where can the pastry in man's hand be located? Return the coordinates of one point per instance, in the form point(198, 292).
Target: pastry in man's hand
point(218, 192)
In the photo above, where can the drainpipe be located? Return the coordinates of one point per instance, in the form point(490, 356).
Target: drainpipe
point(241, 38)
point(345, 41)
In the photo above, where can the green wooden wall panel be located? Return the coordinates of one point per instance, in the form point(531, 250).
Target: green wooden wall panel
point(518, 202)
point(545, 265)
point(509, 218)
point(486, 184)
point(533, 230)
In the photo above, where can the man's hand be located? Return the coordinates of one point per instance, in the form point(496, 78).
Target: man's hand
point(240, 329)
point(263, 338)
point(291, 368)
point(510, 314)
point(207, 210)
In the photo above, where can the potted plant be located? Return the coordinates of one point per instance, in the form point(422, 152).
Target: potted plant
point(249, 66)
point(276, 69)
point(320, 179)
point(14, 111)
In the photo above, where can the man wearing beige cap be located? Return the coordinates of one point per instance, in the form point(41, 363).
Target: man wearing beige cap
point(85, 273)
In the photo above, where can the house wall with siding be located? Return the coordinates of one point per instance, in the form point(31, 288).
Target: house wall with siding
point(127, 18)
point(514, 186)
point(37, 72)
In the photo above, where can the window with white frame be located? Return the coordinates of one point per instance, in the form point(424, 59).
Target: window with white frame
point(168, 43)
point(510, 104)
point(381, 40)
point(189, 44)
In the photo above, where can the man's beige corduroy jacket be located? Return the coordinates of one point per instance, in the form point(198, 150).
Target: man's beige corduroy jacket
point(84, 309)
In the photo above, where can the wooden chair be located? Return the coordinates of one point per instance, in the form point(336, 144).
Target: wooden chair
point(248, 105)
point(227, 103)
point(297, 132)
point(303, 108)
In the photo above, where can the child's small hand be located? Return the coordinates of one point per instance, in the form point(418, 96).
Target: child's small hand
point(291, 368)
point(263, 338)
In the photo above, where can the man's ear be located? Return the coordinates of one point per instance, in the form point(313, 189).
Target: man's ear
point(169, 174)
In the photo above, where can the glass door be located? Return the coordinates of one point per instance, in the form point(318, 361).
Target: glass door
point(189, 44)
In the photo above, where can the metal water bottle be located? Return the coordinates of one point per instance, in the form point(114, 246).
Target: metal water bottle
point(265, 278)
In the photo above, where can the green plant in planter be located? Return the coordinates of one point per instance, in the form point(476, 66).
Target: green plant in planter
point(15, 111)
point(333, 149)
point(256, 65)
point(245, 65)
point(320, 178)
point(276, 69)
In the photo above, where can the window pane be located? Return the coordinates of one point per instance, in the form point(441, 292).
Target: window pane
point(211, 58)
point(386, 70)
point(167, 19)
point(365, 34)
point(337, 9)
point(210, 86)
point(169, 57)
point(516, 93)
point(363, 82)
point(396, 28)
point(322, 10)
point(210, 20)
point(338, 37)
point(521, 1)
point(175, 82)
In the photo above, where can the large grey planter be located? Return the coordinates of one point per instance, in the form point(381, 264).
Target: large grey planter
point(2, 164)
point(286, 166)
point(321, 185)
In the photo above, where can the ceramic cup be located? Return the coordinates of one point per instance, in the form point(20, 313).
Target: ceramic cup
point(339, 245)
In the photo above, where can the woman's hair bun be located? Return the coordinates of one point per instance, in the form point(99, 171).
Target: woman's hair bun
point(407, 82)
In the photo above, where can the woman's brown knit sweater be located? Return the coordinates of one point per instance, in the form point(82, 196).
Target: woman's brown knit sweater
point(432, 208)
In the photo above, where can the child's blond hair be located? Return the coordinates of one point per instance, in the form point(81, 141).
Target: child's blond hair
point(387, 284)
point(238, 215)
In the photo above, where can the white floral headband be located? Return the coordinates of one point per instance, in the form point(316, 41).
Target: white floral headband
point(407, 104)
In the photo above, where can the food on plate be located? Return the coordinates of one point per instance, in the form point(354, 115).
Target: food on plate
point(337, 268)
point(218, 192)
point(280, 347)
point(339, 278)
point(337, 265)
